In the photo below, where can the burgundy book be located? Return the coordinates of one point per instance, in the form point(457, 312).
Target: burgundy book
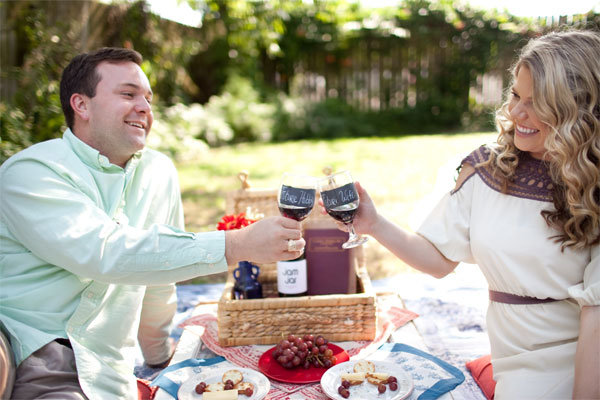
point(330, 269)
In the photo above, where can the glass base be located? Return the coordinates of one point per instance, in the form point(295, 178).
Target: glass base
point(357, 241)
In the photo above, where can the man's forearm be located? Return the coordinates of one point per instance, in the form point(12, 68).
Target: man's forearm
point(158, 310)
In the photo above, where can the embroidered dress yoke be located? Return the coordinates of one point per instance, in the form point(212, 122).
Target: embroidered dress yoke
point(533, 345)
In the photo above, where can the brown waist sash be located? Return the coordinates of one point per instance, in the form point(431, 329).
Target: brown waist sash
point(509, 298)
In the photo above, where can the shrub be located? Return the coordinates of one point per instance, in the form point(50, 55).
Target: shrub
point(236, 115)
point(16, 131)
point(242, 110)
point(175, 131)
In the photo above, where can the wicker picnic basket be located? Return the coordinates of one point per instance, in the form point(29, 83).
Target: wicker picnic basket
point(338, 317)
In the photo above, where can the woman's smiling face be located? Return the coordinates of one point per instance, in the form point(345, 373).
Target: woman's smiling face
point(530, 132)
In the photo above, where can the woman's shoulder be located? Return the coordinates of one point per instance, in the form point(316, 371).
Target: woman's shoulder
point(531, 179)
point(477, 156)
point(469, 165)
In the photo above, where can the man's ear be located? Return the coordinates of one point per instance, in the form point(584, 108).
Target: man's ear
point(79, 104)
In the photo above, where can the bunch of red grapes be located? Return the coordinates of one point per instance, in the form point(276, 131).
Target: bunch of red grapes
point(304, 351)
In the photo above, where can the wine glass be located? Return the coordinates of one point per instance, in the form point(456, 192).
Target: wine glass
point(296, 197)
point(341, 202)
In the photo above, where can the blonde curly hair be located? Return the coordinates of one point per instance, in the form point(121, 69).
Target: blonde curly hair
point(565, 68)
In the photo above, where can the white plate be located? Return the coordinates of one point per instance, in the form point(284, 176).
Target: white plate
point(187, 390)
point(330, 382)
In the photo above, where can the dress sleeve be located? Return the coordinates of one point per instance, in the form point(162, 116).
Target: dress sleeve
point(587, 293)
point(447, 227)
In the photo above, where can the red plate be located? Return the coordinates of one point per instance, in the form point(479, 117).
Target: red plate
point(274, 370)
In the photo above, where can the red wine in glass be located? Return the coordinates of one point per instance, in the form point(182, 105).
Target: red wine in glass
point(343, 214)
point(297, 213)
point(341, 202)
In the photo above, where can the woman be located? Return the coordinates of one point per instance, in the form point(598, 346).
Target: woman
point(527, 211)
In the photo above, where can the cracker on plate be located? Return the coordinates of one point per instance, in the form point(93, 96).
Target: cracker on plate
point(215, 387)
point(242, 386)
point(364, 366)
point(234, 375)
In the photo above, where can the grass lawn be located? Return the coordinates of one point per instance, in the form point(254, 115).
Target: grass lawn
point(399, 173)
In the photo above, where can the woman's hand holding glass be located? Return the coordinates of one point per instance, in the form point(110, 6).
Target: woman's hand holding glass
point(365, 218)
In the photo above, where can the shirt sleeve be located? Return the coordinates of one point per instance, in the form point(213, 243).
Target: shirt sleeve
point(59, 220)
point(587, 293)
point(447, 226)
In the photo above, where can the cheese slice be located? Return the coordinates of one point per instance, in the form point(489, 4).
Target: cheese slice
point(378, 375)
point(354, 378)
point(222, 395)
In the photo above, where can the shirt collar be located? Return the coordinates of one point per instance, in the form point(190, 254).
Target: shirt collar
point(92, 157)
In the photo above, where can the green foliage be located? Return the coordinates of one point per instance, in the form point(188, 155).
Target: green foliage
point(386, 71)
point(15, 131)
point(176, 129)
point(442, 47)
point(240, 106)
point(300, 119)
point(34, 113)
point(166, 47)
point(236, 115)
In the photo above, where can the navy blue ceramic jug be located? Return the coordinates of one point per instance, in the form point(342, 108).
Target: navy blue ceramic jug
point(247, 285)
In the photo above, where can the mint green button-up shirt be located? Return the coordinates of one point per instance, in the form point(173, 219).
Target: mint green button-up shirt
point(89, 251)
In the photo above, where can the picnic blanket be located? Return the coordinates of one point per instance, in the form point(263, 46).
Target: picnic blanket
point(451, 316)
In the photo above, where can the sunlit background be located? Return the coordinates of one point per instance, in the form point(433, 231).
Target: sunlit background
point(397, 89)
point(180, 11)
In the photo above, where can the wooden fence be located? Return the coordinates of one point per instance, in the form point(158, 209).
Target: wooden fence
point(402, 71)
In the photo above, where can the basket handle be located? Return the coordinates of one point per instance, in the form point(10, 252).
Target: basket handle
point(243, 177)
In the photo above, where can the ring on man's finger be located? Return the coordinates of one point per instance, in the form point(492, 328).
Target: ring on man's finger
point(292, 245)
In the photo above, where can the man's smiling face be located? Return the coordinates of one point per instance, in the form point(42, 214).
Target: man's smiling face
point(120, 114)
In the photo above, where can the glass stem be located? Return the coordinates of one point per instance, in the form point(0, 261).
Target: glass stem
point(352, 233)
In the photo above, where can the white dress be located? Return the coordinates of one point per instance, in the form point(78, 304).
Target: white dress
point(532, 346)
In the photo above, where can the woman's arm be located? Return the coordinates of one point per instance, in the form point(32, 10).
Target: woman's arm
point(410, 247)
point(587, 356)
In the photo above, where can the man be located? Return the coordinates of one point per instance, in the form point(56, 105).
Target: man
point(92, 240)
